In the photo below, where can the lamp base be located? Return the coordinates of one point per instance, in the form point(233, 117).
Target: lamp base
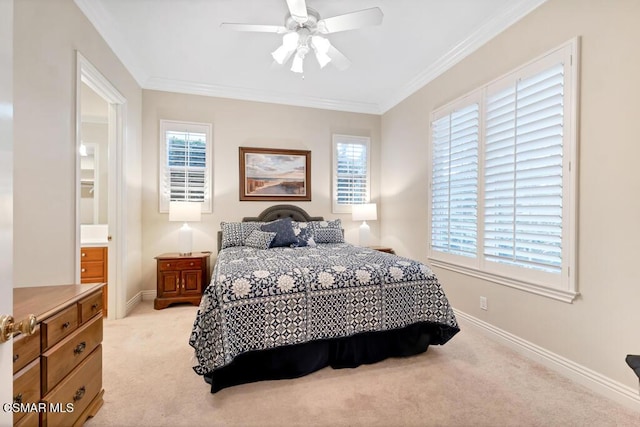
point(365, 234)
point(185, 239)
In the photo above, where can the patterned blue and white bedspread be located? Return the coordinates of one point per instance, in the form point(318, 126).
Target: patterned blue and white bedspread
point(260, 299)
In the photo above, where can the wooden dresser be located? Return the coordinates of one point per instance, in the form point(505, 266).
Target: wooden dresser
point(93, 269)
point(181, 278)
point(58, 369)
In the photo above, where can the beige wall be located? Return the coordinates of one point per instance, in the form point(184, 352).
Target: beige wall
point(46, 37)
point(247, 124)
point(602, 325)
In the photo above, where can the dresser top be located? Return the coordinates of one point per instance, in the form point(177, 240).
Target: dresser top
point(45, 301)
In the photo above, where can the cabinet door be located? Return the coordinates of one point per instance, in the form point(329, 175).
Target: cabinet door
point(169, 285)
point(191, 282)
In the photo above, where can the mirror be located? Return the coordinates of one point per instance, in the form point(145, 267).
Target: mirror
point(93, 157)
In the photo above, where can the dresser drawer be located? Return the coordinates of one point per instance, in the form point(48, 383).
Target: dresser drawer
point(26, 387)
point(59, 326)
point(25, 349)
point(92, 254)
point(31, 419)
point(65, 356)
point(79, 388)
point(180, 264)
point(90, 306)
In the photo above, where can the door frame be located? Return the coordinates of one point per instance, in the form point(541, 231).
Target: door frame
point(88, 74)
point(6, 199)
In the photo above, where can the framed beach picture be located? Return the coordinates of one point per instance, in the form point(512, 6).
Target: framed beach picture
point(274, 174)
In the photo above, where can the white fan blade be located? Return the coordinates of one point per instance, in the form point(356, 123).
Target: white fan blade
point(278, 29)
point(298, 10)
point(351, 21)
point(339, 61)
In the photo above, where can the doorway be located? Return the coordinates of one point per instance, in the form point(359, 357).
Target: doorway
point(99, 219)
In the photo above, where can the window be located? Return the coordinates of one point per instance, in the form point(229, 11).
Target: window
point(351, 172)
point(185, 163)
point(503, 199)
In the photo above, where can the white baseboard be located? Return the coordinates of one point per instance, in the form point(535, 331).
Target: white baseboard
point(133, 302)
point(140, 296)
point(149, 295)
point(594, 381)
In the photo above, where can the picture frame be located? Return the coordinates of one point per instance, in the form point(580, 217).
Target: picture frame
point(270, 174)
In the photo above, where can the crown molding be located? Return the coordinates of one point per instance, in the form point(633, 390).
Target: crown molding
point(108, 29)
point(247, 94)
point(463, 49)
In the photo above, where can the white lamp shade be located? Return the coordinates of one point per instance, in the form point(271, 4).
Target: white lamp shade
point(364, 212)
point(184, 211)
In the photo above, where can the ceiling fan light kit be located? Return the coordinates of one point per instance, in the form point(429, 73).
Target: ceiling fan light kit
point(303, 31)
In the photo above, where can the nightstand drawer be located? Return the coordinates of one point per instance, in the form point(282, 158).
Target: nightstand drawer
point(64, 357)
point(59, 326)
point(25, 349)
point(180, 264)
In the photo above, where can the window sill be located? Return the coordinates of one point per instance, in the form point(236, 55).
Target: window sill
point(556, 294)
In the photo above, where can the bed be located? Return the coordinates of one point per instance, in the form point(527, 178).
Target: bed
point(282, 307)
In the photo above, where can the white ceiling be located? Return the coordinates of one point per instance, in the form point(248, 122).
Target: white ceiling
point(178, 46)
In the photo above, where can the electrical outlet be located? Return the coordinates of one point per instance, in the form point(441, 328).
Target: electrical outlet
point(483, 303)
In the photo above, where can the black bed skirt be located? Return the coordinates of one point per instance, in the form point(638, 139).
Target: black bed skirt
point(294, 361)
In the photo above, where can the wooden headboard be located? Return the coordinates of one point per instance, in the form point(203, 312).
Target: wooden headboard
point(276, 212)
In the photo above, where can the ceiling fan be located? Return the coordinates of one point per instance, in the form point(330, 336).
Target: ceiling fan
point(304, 31)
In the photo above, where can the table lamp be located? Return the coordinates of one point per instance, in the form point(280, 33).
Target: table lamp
point(185, 212)
point(364, 212)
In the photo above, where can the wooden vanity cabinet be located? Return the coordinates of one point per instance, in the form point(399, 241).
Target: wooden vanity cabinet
point(93, 269)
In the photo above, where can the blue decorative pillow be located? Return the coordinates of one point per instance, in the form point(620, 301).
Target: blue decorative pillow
point(284, 230)
point(260, 239)
point(303, 233)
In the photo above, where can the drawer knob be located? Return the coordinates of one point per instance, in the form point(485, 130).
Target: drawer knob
point(79, 394)
point(17, 398)
point(8, 327)
point(65, 325)
point(83, 270)
point(94, 306)
point(191, 264)
point(80, 348)
point(16, 357)
point(83, 254)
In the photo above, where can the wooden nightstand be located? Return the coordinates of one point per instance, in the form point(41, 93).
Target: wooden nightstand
point(383, 249)
point(181, 278)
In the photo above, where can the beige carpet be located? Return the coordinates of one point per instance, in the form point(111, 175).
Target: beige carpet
point(471, 381)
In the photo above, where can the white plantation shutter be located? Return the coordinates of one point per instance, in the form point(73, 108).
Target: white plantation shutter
point(504, 165)
point(351, 173)
point(185, 169)
point(186, 166)
point(454, 207)
point(523, 172)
